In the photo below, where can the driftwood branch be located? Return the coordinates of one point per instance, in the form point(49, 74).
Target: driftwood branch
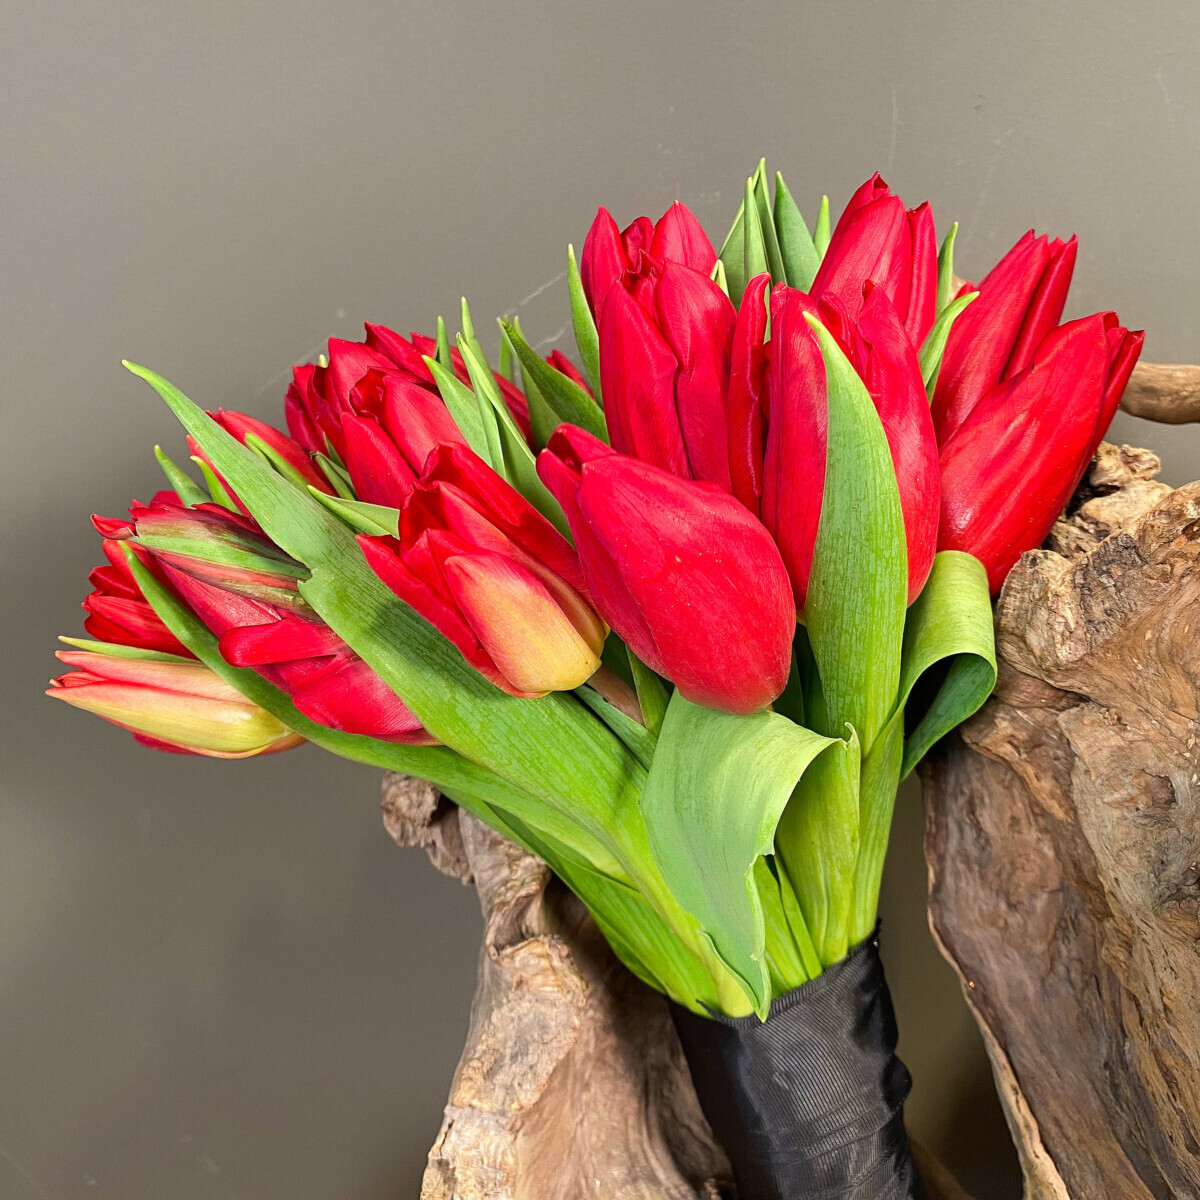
point(1063, 841)
point(1167, 393)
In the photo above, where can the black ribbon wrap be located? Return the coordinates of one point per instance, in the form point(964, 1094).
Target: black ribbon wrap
point(809, 1104)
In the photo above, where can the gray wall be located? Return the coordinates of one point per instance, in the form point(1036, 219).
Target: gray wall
point(221, 980)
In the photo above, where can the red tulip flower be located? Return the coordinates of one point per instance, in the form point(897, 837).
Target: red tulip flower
point(777, 407)
point(1011, 464)
point(245, 589)
point(637, 254)
point(182, 707)
point(1020, 302)
point(117, 611)
point(664, 370)
point(320, 397)
point(483, 566)
point(877, 240)
point(679, 568)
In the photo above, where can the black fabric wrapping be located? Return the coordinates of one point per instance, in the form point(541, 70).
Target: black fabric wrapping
point(809, 1103)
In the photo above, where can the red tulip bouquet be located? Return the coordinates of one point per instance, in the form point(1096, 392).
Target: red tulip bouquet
point(678, 622)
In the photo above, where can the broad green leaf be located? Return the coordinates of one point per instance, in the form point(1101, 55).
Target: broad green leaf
point(766, 222)
point(338, 477)
point(373, 519)
point(950, 620)
point(821, 234)
point(879, 779)
point(934, 346)
point(651, 692)
point(216, 489)
point(800, 258)
point(552, 748)
point(542, 419)
point(190, 493)
point(945, 283)
point(569, 401)
point(520, 466)
point(463, 408)
point(586, 337)
point(754, 248)
point(858, 590)
point(714, 796)
point(817, 841)
point(116, 650)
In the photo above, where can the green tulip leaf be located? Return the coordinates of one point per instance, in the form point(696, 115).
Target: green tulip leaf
point(587, 339)
point(817, 842)
point(217, 491)
point(945, 280)
point(190, 493)
point(934, 347)
point(754, 247)
point(858, 590)
point(570, 403)
point(520, 467)
point(821, 234)
point(463, 407)
point(766, 222)
point(116, 650)
point(800, 258)
point(274, 459)
point(651, 692)
point(714, 796)
point(337, 476)
point(637, 737)
point(543, 420)
point(373, 519)
point(552, 748)
point(949, 625)
point(732, 256)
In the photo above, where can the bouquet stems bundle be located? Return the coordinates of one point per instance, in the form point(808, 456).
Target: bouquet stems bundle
point(679, 622)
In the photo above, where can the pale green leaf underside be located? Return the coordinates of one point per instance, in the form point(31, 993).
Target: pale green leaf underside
point(714, 796)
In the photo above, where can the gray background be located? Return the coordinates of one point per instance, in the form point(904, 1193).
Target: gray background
point(222, 980)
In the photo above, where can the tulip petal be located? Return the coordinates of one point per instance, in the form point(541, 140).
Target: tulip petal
point(603, 260)
point(747, 386)
point(696, 320)
point(637, 373)
point(679, 238)
point(524, 631)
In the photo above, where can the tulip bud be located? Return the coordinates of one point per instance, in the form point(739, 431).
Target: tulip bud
point(179, 706)
point(876, 240)
point(385, 448)
point(117, 610)
point(665, 371)
point(679, 568)
point(483, 566)
point(319, 398)
point(245, 589)
point(1020, 302)
point(1010, 466)
point(637, 254)
point(792, 406)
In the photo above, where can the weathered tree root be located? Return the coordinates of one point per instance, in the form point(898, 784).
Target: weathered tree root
point(1063, 842)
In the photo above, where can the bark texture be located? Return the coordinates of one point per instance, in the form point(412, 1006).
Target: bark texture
point(572, 1082)
point(1063, 842)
